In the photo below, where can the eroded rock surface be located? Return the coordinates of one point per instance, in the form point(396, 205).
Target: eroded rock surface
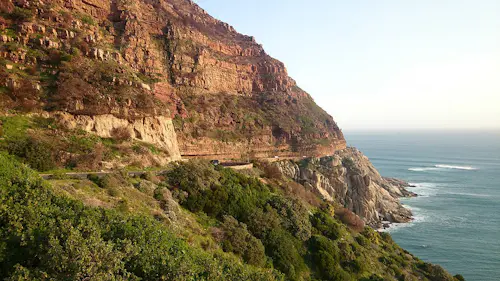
point(157, 130)
point(349, 178)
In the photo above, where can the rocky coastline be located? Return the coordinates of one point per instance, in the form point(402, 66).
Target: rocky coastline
point(349, 178)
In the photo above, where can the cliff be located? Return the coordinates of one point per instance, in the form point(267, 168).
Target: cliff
point(349, 178)
point(168, 74)
point(162, 60)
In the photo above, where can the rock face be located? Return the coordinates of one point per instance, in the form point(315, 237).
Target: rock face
point(143, 59)
point(349, 178)
point(167, 73)
point(157, 130)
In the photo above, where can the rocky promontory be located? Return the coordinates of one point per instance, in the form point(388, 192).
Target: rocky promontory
point(349, 178)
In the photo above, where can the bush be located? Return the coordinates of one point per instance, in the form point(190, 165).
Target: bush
point(319, 243)
point(294, 216)
point(325, 257)
point(238, 240)
point(217, 192)
point(88, 20)
point(262, 221)
point(57, 57)
point(33, 151)
point(280, 246)
point(121, 134)
point(350, 219)
point(327, 226)
point(21, 15)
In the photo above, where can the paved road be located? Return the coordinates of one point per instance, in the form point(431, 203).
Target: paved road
point(85, 175)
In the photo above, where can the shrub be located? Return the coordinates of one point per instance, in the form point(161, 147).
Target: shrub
point(294, 216)
point(56, 57)
point(238, 240)
point(350, 219)
point(327, 226)
point(34, 152)
point(21, 15)
point(262, 221)
point(325, 256)
point(319, 243)
point(280, 246)
point(371, 235)
point(150, 176)
point(88, 20)
point(109, 181)
point(95, 179)
point(25, 95)
point(121, 134)
point(363, 241)
point(217, 192)
point(271, 171)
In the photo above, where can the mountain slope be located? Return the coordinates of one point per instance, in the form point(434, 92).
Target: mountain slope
point(133, 229)
point(99, 61)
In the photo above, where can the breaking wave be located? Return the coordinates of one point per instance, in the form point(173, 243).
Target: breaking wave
point(424, 189)
point(442, 167)
point(417, 169)
point(455, 167)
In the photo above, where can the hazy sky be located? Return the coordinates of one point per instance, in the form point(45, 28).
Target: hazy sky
point(384, 64)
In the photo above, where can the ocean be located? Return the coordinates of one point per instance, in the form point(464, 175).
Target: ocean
point(457, 212)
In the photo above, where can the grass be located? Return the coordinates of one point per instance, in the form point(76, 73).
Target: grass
point(109, 197)
point(126, 198)
point(15, 126)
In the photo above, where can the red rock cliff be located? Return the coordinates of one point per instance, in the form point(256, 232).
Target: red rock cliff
point(140, 58)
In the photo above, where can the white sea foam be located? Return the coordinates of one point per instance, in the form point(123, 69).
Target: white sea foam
point(423, 169)
point(418, 217)
point(443, 166)
point(424, 189)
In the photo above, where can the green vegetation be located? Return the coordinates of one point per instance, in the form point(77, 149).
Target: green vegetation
point(247, 230)
point(20, 14)
point(88, 20)
point(248, 119)
point(38, 142)
point(299, 244)
point(49, 237)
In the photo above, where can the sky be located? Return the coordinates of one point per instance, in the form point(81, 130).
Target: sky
point(385, 64)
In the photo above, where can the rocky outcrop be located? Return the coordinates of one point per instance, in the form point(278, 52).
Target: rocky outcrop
point(349, 178)
point(398, 188)
point(157, 130)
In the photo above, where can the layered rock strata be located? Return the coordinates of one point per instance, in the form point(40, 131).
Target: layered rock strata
point(143, 58)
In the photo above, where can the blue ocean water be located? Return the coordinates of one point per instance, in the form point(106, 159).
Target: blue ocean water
point(457, 215)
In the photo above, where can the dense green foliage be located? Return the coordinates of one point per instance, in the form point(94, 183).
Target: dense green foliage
point(302, 242)
point(43, 236)
point(47, 236)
